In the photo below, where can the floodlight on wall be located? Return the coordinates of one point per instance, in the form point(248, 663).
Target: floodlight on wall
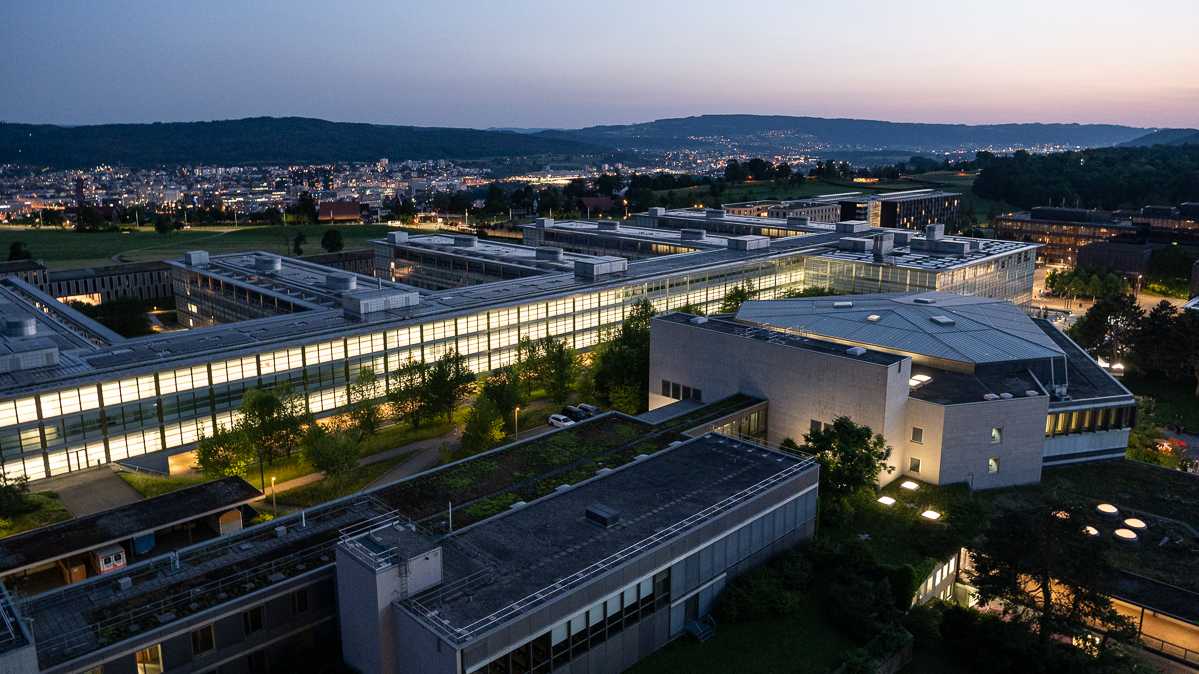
point(886, 500)
point(909, 485)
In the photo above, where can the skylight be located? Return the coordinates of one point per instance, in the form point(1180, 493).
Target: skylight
point(919, 380)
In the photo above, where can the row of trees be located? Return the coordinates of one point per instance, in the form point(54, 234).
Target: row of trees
point(1079, 282)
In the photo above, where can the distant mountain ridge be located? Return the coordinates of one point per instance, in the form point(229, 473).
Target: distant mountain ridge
point(300, 140)
point(279, 140)
point(1165, 137)
point(848, 133)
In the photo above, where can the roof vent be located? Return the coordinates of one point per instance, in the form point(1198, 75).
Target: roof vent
point(608, 226)
point(698, 320)
point(267, 264)
point(844, 304)
point(341, 282)
point(463, 240)
point(397, 237)
point(942, 320)
point(543, 222)
point(856, 351)
point(1031, 393)
point(195, 258)
point(924, 300)
point(550, 253)
point(714, 213)
point(602, 515)
point(1005, 395)
point(874, 318)
point(990, 396)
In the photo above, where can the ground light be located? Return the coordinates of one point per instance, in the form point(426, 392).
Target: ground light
point(931, 515)
point(909, 485)
point(1107, 509)
point(1125, 534)
point(1091, 531)
point(1134, 523)
point(886, 500)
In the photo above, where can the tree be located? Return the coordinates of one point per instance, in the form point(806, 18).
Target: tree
point(484, 427)
point(851, 457)
point(1150, 350)
point(332, 452)
point(364, 409)
point(304, 211)
point(814, 291)
point(1109, 326)
point(163, 223)
point(504, 389)
point(559, 369)
point(1046, 572)
point(271, 423)
point(331, 241)
point(448, 382)
point(297, 243)
point(735, 297)
point(407, 394)
point(1186, 346)
point(225, 453)
point(621, 362)
point(17, 250)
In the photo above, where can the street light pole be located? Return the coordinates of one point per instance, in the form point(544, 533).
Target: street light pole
point(274, 501)
point(516, 424)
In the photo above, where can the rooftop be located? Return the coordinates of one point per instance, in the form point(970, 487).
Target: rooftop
point(944, 326)
point(469, 246)
point(92, 531)
point(1087, 381)
point(549, 546)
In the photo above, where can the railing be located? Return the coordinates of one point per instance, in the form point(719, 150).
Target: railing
point(1170, 650)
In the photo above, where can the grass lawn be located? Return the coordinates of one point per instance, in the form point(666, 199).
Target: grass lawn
point(49, 510)
point(805, 642)
point(65, 249)
point(284, 469)
point(149, 485)
point(335, 487)
point(398, 435)
point(1176, 401)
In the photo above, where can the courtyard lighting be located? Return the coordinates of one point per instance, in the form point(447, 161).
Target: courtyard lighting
point(1107, 509)
point(931, 515)
point(1125, 534)
point(909, 485)
point(1134, 523)
point(886, 500)
point(1090, 531)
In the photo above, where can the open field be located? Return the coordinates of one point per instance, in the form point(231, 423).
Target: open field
point(66, 249)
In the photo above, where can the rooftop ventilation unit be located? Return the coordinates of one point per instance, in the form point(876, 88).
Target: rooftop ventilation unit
point(714, 213)
point(593, 268)
point(843, 304)
point(20, 327)
point(942, 320)
point(341, 282)
point(855, 244)
point(693, 234)
point(602, 515)
point(268, 264)
point(852, 226)
point(798, 221)
point(196, 258)
point(464, 240)
point(856, 351)
point(544, 222)
point(934, 231)
point(748, 242)
point(924, 300)
point(397, 237)
point(549, 253)
point(657, 211)
point(1005, 395)
point(698, 320)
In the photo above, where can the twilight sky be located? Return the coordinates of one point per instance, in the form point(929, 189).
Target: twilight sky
point(567, 63)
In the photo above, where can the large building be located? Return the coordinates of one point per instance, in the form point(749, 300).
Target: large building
point(591, 573)
point(964, 389)
point(819, 209)
point(75, 395)
point(1061, 232)
point(909, 209)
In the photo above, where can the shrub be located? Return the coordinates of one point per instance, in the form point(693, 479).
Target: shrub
point(924, 622)
point(334, 453)
point(14, 498)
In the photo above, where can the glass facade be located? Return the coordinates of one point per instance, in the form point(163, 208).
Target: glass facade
point(1090, 420)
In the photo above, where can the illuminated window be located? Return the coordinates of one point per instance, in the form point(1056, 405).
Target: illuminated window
point(149, 660)
point(993, 465)
point(996, 435)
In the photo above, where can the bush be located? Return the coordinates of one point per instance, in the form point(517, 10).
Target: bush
point(333, 453)
point(924, 623)
point(14, 498)
point(903, 582)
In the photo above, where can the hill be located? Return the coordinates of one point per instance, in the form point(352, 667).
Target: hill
point(843, 133)
point(261, 140)
point(1165, 137)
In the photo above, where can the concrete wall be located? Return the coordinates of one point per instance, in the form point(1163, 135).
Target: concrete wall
point(801, 385)
point(967, 445)
point(366, 618)
point(1085, 446)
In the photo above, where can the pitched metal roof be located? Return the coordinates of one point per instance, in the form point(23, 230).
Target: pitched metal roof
point(934, 324)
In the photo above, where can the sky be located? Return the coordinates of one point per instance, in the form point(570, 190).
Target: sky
point(567, 63)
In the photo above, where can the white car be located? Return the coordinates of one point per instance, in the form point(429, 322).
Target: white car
point(560, 421)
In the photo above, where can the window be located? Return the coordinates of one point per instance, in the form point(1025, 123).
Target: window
point(665, 388)
point(252, 620)
point(203, 640)
point(149, 660)
point(993, 464)
point(917, 435)
point(814, 426)
point(996, 435)
point(913, 465)
point(299, 601)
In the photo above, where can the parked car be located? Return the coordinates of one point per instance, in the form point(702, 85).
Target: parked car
point(590, 409)
point(559, 421)
point(573, 413)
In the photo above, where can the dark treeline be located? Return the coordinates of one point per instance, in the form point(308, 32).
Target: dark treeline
point(1106, 178)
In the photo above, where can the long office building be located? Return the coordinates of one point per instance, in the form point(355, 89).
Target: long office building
point(964, 389)
point(75, 395)
point(1061, 232)
point(623, 553)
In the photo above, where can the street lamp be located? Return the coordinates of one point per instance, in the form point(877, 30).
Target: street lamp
point(274, 501)
point(1137, 294)
point(516, 423)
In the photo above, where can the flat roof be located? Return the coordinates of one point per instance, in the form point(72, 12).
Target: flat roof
point(543, 550)
point(78, 535)
point(904, 256)
point(487, 249)
point(1085, 379)
point(636, 233)
point(934, 324)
